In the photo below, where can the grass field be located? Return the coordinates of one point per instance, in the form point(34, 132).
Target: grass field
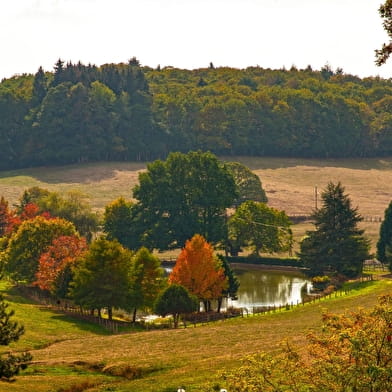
point(289, 183)
point(73, 356)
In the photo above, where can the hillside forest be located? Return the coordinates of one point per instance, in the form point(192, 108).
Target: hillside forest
point(128, 112)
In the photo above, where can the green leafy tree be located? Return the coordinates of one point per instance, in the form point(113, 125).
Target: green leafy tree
point(175, 300)
point(233, 283)
point(10, 331)
point(385, 11)
point(384, 244)
point(29, 241)
point(102, 277)
point(260, 227)
point(184, 195)
point(248, 183)
point(337, 245)
point(147, 280)
point(72, 206)
point(117, 222)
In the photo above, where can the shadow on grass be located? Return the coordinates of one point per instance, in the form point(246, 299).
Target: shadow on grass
point(75, 173)
point(260, 163)
point(13, 295)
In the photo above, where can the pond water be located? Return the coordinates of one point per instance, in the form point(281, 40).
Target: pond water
point(259, 287)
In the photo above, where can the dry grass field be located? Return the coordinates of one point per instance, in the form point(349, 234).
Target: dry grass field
point(289, 183)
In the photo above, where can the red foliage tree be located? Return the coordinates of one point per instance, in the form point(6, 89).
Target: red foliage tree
point(199, 271)
point(62, 253)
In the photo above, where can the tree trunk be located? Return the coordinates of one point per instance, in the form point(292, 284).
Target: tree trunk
point(220, 300)
point(176, 317)
point(134, 315)
point(110, 313)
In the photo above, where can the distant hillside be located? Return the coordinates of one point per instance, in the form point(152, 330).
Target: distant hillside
point(125, 112)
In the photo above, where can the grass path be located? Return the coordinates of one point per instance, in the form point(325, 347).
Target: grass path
point(191, 357)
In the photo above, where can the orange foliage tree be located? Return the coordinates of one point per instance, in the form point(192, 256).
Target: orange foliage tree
point(199, 271)
point(60, 255)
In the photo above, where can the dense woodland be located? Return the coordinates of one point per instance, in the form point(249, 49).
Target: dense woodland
point(82, 113)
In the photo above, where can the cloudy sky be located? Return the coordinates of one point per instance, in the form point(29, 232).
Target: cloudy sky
point(192, 33)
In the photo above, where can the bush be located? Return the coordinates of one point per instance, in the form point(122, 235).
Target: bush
point(320, 283)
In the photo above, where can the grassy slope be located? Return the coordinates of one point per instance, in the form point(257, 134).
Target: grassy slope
point(289, 183)
point(191, 357)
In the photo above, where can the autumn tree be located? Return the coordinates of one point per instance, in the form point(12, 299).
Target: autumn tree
point(261, 228)
point(32, 238)
point(72, 206)
point(5, 217)
point(102, 277)
point(55, 264)
point(10, 331)
point(353, 353)
point(147, 281)
point(199, 271)
point(384, 243)
point(385, 12)
point(175, 300)
point(337, 245)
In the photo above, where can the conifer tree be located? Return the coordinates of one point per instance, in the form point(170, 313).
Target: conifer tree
point(337, 245)
point(384, 244)
point(40, 87)
point(10, 331)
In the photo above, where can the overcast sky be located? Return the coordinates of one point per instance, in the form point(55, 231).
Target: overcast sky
point(192, 33)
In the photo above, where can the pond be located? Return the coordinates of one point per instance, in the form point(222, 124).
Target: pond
point(260, 287)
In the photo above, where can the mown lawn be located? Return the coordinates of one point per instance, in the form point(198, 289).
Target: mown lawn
point(160, 361)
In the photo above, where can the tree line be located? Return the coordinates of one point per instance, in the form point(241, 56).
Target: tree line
point(82, 113)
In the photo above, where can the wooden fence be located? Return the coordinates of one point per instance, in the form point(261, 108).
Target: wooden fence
point(115, 326)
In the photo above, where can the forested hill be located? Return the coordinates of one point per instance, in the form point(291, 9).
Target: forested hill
point(80, 113)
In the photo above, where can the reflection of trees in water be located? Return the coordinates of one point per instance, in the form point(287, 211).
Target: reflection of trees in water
point(259, 287)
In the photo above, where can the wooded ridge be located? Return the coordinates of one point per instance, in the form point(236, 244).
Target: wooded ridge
point(126, 112)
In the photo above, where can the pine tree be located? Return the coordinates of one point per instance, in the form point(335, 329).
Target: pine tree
point(40, 87)
point(337, 245)
point(10, 331)
point(384, 244)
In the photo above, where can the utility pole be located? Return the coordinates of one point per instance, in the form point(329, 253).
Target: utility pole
point(315, 197)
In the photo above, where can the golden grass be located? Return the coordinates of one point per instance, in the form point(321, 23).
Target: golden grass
point(289, 183)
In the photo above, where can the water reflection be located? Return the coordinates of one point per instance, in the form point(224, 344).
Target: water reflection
point(269, 288)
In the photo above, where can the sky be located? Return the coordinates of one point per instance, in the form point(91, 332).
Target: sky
point(192, 33)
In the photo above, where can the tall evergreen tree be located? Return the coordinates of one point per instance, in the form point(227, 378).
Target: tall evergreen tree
point(40, 87)
point(337, 245)
point(384, 244)
point(10, 331)
point(58, 72)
